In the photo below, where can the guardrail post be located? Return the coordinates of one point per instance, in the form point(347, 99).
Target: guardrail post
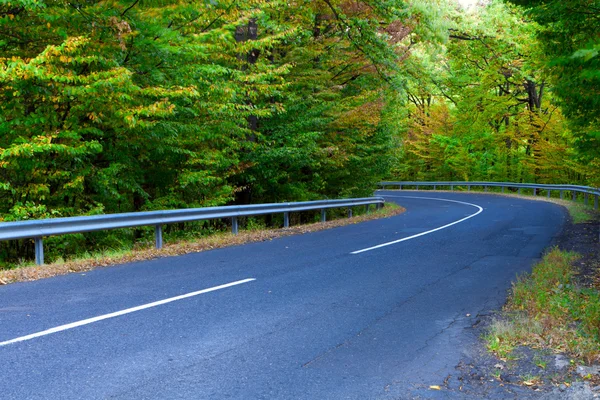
point(502, 189)
point(379, 206)
point(585, 199)
point(234, 225)
point(548, 193)
point(323, 215)
point(367, 208)
point(400, 187)
point(158, 238)
point(574, 195)
point(596, 201)
point(434, 187)
point(535, 191)
point(349, 212)
point(451, 187)
point(562, 195)
point(519, 190)
point(39, 251)
point(468, 188)
point(485, 188)
point(286, 219)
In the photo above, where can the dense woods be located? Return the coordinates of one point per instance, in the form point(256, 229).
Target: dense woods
point(115, 106)
point(497, 100)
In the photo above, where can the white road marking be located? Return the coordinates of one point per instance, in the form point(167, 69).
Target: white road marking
point(427, 232)
point(122, 312)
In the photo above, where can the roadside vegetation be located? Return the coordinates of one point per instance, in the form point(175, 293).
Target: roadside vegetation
point(117, 106)
point(551, 308)
point(254, 230)
point(579, 213)
point(548, 309)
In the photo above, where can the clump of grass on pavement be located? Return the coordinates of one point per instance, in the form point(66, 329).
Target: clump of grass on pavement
point(546, 309)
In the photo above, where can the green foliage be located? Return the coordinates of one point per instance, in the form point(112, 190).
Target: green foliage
point(580, 213)
point(570, 42)
point(116, 106)
point(485, 107)
point(565, 316)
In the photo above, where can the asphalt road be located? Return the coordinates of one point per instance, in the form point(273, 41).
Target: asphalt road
point(317, 322)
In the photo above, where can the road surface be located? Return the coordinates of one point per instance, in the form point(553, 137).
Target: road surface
point(376, 310)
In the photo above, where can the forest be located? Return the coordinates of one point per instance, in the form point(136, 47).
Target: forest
point(132, 105)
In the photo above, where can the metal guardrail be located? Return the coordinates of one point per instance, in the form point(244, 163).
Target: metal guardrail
point(37, 229)
point(573, 189)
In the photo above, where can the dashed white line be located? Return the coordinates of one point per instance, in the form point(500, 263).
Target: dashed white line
point(480, 210)
point(122, 312)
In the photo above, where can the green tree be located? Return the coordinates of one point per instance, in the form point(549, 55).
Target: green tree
point(569, 40)
point(480, 107)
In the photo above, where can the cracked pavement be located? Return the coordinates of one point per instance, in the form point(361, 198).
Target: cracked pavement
point(318, 322)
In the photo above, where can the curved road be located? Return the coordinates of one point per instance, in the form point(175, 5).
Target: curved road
point(318, 320)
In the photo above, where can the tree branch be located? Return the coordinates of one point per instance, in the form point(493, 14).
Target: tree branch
point(129, 8)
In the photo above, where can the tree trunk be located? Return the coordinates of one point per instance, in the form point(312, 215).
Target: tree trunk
point(244, 33)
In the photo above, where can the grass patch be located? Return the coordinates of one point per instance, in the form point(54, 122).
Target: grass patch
point(506, 334)
point(546, 309)
point(579, 213)
point(27, 271)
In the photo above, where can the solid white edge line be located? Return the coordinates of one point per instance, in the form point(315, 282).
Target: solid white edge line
point(427, 232)
point(122, 312)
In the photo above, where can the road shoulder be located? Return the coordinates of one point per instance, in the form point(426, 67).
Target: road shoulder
point(530, 372)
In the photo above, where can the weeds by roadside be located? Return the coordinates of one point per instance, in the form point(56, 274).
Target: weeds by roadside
point(547, 309)
point(580, 213)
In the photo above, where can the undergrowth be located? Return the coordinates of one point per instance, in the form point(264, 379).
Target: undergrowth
point(580, 213)
point(546, 309)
